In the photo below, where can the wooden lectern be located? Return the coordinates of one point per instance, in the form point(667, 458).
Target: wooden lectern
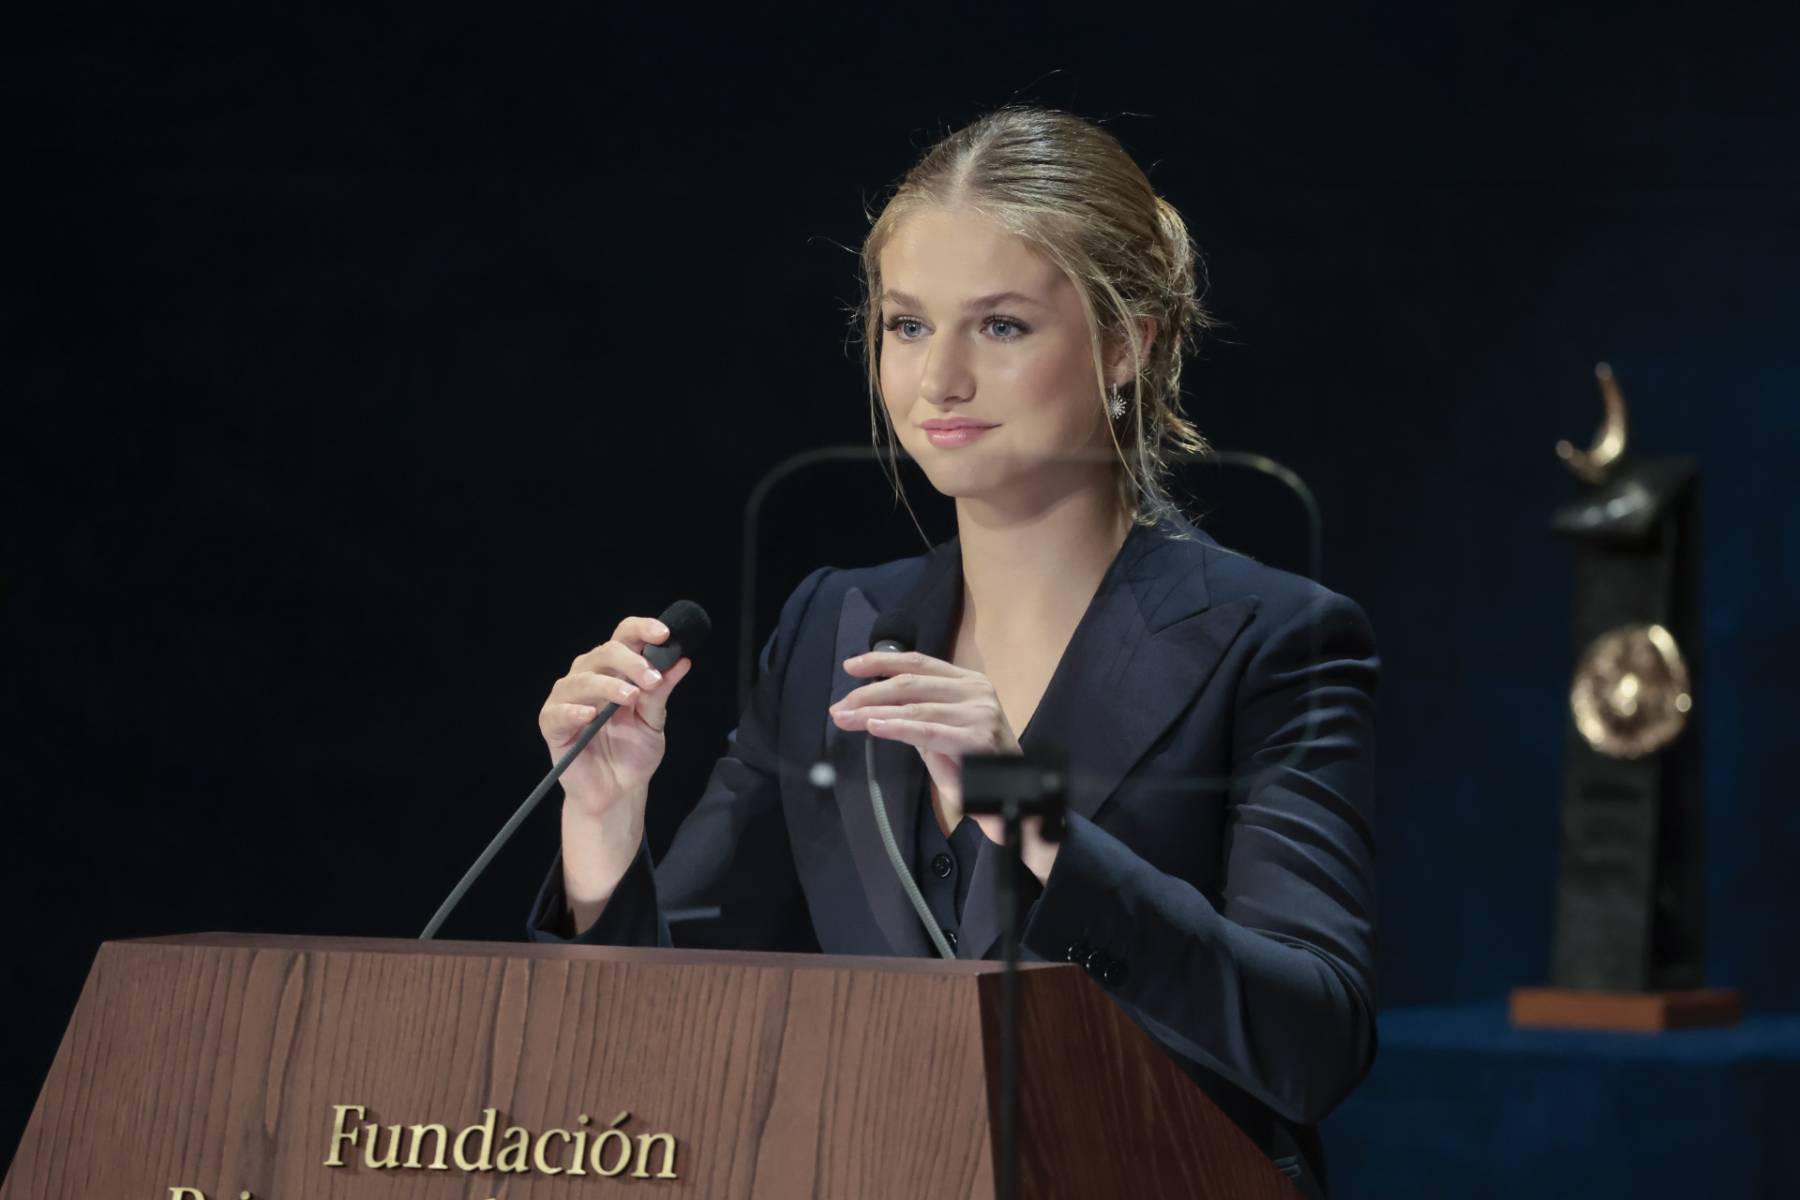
point(288, 1068)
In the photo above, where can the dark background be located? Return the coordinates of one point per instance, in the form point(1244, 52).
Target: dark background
point(361, 371)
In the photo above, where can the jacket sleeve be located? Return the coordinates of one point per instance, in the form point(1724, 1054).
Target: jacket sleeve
point(1273, 988)
point(728, 879)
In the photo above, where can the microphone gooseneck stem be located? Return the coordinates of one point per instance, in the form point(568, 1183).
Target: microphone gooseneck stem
point(685, 626)
point(892, 847)
point(1009, 1012)
point(513, 823)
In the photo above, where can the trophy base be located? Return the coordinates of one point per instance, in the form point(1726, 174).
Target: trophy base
point(1624, 1012)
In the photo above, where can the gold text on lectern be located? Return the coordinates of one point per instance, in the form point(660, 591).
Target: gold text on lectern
point(609, 1152)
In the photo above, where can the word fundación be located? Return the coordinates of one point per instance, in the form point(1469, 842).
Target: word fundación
point(608, 1152)
point(611, 1152)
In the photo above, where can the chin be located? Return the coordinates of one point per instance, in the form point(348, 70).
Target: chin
point(958, 483)
point(1004, 490)
point(1004, 480)
point(960, 474)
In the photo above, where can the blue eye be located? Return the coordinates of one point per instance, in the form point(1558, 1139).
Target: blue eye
point(1019, 328)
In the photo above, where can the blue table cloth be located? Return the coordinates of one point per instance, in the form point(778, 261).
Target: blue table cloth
point(1460, 1105)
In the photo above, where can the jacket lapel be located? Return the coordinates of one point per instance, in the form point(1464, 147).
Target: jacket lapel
point(932, 601)
point(1147, 645)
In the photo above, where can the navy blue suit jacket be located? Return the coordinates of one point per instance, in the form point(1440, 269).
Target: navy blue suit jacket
point(1216, 718)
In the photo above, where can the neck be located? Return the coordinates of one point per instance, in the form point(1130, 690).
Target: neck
point(1038, 564)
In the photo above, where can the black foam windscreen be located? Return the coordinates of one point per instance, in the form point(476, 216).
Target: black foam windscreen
point(894, 626)
point(688, 629)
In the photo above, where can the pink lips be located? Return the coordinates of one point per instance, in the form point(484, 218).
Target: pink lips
point(953, 431)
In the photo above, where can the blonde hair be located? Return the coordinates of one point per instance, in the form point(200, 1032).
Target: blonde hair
point(1070, 189)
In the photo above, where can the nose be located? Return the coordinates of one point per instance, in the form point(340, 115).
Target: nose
point(945, 378)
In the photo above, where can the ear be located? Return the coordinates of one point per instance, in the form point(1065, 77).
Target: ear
point(1119, 370)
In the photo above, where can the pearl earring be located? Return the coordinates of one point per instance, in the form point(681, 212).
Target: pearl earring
point(1115, 404)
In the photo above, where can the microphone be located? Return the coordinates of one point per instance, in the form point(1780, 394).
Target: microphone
point(896, 631)
point(688, 628)
point(893, 631)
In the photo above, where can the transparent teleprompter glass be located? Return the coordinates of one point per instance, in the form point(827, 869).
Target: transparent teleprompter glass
point(842, 506)
point(839, 507)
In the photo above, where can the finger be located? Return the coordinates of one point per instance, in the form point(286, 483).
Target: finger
point(946, 773)
point(945, 739)
point(632, 635)
point(653, 703)
point(636, 632)
point(562, 723)
point(623, 660)
point(960, 715)
point(616, 658)
point(595, 688)
point(903, 688)
point(994, 827)
point(897, 662)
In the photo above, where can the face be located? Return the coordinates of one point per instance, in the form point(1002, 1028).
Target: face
point(986, 366)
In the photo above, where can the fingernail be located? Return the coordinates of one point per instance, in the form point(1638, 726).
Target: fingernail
point(652, 677)
point(661, 629)
point(630, 691)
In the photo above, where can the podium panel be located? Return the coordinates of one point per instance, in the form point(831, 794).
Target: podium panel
point(220, 1065)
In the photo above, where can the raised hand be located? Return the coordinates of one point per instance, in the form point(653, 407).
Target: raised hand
point(629, 747)
point(943, 711)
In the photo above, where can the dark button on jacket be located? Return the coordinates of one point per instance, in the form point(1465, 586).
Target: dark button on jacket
point(947, 867)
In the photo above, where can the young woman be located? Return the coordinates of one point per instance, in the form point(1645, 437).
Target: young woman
point(1028, 298)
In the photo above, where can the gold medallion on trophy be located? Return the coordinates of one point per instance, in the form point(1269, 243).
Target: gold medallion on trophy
point(1631, 695)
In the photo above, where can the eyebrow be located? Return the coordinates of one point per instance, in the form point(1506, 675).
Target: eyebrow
point(901, 298)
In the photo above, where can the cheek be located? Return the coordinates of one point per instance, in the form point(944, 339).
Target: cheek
point(895, 388)
point(1061, 391)
point(897, 380)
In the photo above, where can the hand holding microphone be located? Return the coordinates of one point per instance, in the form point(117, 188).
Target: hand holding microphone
point(604, 724)
point(619, 675)
point(607, 774)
